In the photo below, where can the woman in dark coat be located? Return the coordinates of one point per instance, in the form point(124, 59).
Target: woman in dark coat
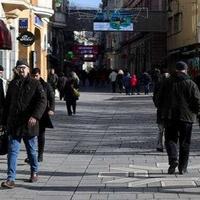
point(70, 97)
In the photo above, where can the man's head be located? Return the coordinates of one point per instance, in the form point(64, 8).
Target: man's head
point(1, 71)
point(181, 66)
point(52, 71)
point(36, 73)
point(22, 68)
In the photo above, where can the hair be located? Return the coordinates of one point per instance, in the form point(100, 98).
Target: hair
point(35, 71)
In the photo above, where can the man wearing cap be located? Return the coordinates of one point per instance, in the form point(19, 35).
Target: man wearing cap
point(179, 100)
point(45, 121)
point(24, 106)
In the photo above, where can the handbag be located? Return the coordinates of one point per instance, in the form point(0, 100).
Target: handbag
point(76, 93)
point(3, 142)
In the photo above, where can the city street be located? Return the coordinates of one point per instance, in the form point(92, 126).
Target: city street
point(107, 151)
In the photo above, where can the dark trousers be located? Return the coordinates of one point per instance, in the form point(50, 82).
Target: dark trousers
point(41, 141)
point(178, 131)
point(69, 104)
point(113, 86)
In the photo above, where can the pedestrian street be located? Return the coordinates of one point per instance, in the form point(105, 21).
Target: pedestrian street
point(107, 151)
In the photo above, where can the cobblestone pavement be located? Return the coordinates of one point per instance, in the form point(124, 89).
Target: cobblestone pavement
point(105, 152)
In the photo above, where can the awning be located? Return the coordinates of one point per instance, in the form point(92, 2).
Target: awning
point(5, 37)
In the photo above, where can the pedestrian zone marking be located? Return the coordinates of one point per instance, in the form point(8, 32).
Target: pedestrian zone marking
point(138, 175)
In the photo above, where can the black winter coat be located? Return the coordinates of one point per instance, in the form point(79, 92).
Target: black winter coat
point(45, 121)
point(179, 99)
point(25, 98)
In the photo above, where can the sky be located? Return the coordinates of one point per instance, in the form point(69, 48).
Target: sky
point(86, 3)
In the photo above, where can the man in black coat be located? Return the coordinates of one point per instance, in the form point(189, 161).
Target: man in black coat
point(45, 121)
point(24, 106)
point(179, 101)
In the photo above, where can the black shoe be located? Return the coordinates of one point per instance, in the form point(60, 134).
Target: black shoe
point(182, 171)
point(172, 168)
point(26, 160)
point(159, 149)
point(40, 158)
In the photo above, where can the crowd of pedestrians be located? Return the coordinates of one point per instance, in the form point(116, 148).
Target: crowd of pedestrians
point(28, 102)
point(26, 106)
point(124, 82)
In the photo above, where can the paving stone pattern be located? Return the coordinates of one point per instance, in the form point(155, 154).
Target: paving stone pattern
point(105, 152)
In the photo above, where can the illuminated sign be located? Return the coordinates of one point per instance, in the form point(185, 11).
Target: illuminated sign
point(113, 21)
point(86, 49)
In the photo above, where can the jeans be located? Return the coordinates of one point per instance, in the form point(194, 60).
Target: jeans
point(13, 151)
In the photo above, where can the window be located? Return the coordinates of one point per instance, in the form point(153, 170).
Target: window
point(170, 20)
point(177, 22)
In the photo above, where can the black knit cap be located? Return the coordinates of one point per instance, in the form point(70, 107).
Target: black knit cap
point(1, 68)
point(22, 62)
point(181, 65)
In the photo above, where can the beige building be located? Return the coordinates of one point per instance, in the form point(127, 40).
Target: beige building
point(21, 16)
point(183, 38)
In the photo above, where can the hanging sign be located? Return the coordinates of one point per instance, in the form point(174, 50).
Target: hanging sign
point(26, 38)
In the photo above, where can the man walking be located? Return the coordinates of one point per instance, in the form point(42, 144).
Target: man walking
point(179, 100)
point(24, 106)
point(113, 77)
point(45, 121)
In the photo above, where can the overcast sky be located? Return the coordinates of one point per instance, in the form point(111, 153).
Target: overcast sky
point(86, 3)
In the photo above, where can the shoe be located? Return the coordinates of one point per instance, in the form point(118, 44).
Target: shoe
point(159, 149)
point(40, 158)
point(33, 178)
point(8, 184)
point(26, 160)
point(182, 171)
point(172, 168)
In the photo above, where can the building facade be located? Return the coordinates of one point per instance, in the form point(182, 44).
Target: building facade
point(183, 37)
point(143, 48)
point(23, 16)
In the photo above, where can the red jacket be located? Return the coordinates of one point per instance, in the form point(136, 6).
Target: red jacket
point(133, 81)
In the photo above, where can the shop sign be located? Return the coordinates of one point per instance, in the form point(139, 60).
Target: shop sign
point(26, 38)
point(86, 49)
point(23, 23)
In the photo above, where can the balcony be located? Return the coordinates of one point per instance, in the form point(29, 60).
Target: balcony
point(43, 8)
point(9, 5)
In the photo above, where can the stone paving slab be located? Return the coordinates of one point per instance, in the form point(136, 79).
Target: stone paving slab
point(106, 151)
